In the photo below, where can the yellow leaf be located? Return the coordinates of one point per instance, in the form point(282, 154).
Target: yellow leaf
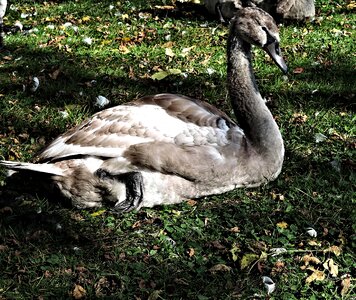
point(123, 49)
point(351, 5)
point(86, 19)
point(313, 243)
point(159, 75)
point(78, 292)
point(174, 71)
point(191, 252)
point(169, 52)
point(331, 267)
point(282, 225)
point(315, 276)
point(98, 213)
point(248, 259)
point(334, 249)
point(124, 16)
point(310, 259)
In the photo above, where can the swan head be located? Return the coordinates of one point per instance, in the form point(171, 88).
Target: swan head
point(257, 27)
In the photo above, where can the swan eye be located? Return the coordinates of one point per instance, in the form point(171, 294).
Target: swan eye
point(277, 48)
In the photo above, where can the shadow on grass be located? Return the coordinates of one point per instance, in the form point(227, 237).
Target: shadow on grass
point(43, 245)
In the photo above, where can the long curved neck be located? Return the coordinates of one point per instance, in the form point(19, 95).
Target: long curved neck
point(251, 112)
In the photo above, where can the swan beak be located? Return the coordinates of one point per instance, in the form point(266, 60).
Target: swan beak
point(275, 53)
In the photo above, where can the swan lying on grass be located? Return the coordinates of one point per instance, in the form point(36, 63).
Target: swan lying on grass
point(165, 148)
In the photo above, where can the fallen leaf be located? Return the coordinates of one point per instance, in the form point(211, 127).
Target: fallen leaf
point(6, 209)
point(123, 49)
point(54, 74)
point(86, 18)
point(235, 229)
point(191, 252)
point(220, 268)
point(174, 71)
point(331, 267)
point(3, 248)
point(248, 259)
point(191, 202)
point(313, 243)
point(98, 213)
point(234, 252)
point(169, 52)
point(217, 245)
point(299, 118)
point(345, 283)
point(282, 225)
point(310, 259)
point(78, 292)
point(334, 249)
point(154, 295)
point(298, 70)
point(160, 75)
point(315, 276)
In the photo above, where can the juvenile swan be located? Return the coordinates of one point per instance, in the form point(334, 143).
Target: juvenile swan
point(165, 148)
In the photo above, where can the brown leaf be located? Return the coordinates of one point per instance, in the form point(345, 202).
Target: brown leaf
point(310, 259)
point(191, 202)
point(54, 74)
point(298, 70)
point(191, 252)
point(141, 284)
point(78, 292)
point(299, 118)
point(315, 276)
point(220, 268)
point(6, 209)
point(334, 249)
point(235, 229)
point(345, 283)
point(217, 245)
point(137, 224)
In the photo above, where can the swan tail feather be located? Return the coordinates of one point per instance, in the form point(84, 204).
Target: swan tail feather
point(41, 168)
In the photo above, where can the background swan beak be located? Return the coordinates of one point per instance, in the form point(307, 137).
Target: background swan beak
point(275, 53)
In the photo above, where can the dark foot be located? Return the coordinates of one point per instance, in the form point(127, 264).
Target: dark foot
point(134, 192)
point(134, 189)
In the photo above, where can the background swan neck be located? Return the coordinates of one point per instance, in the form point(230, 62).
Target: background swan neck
point(251, 112)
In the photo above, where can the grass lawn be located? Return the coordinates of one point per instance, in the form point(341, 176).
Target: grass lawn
point(218, 247)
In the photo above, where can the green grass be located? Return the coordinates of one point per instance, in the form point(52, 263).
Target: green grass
point(48, 251)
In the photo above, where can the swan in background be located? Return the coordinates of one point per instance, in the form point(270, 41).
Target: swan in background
point(286, 9)
point(166, 148)
point(3, 5)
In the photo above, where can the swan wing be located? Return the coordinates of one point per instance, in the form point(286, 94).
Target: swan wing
point(164, 118)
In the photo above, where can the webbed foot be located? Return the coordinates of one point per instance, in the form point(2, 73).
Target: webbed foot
point(134, 189)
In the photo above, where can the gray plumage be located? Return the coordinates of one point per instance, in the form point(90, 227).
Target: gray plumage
point(165, 148)
point(285, 9)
